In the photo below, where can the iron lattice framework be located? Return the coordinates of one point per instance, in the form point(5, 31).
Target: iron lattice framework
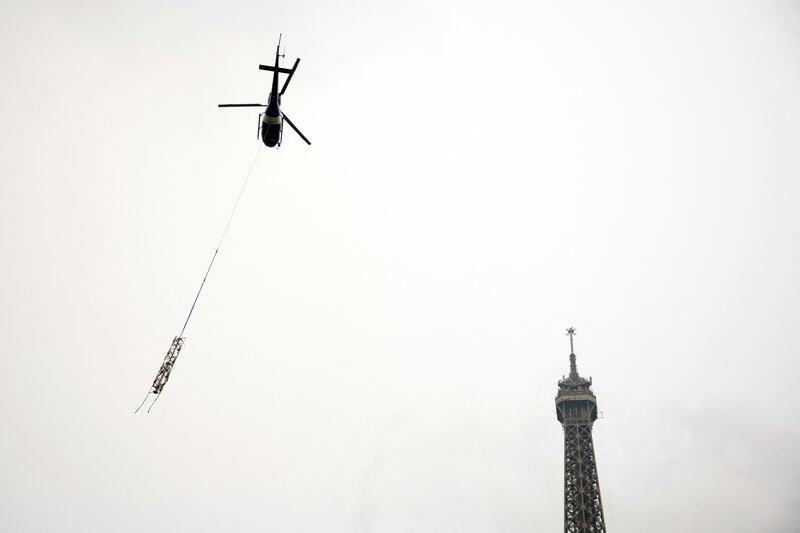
point(576, 409)
point(166, 366)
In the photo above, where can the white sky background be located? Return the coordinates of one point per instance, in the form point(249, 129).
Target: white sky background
point(378, 346)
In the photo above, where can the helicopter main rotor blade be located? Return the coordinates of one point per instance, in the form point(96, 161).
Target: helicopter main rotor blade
point(272, 69)
point(291, 73)
point(242, 105)
point(295, 128)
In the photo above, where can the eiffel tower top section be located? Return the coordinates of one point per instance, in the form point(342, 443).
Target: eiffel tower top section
point(574, 391)
point(576, 409)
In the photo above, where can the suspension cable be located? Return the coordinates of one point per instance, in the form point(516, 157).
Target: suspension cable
point(222, 238)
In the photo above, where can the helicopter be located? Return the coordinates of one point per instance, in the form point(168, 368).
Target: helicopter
point(270, 122)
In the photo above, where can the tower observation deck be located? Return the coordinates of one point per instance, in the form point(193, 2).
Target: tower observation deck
point(576, 409)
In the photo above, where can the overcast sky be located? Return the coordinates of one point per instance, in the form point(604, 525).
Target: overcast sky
point(378, 347)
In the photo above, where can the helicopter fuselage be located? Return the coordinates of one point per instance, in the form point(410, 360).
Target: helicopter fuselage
point(272, 121)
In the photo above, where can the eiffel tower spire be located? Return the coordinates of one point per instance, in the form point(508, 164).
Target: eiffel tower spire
point(573, 366)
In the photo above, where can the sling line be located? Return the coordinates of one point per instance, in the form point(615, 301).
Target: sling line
point(177, 343)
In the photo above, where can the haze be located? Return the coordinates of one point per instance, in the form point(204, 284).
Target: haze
point(378, 347)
